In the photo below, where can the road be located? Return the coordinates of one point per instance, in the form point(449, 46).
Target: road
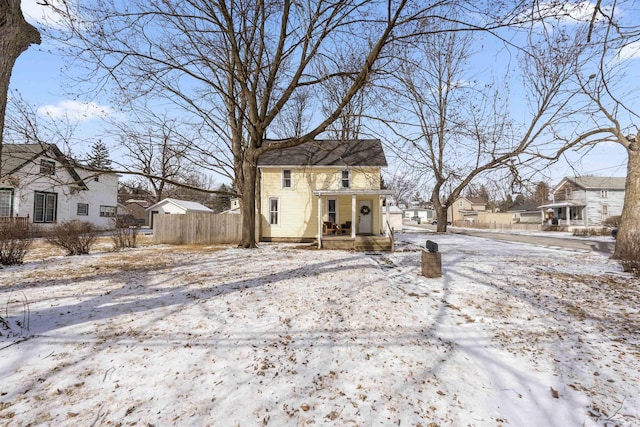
point(555, 241)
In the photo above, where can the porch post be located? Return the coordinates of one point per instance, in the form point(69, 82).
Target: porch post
point(353, 216)
point(568, 216)
point(387, 232)
point(319, 221)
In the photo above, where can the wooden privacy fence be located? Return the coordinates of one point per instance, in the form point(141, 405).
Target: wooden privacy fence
point(197, 229)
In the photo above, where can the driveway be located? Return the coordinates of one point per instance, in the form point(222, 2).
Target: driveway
point(584, 244)
point(553, 240)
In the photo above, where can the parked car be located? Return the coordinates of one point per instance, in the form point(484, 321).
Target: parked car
point(435, 222)
point(614, 232)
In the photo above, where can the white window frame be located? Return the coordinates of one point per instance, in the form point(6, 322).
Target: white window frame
point(49, 210)
point(84, 211)
point(290, 178)
point(342, 179)
point(605, 212)
point(334, 212)
point(275, 212)
point(604, 194)
point(108, 211)
point(3, 194)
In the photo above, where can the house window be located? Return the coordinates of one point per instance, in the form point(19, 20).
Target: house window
point(567, 192)
point(332, 210)
point(345, 179)
point(107, 211)
point(287, 180)
point(47, 167)
point(274, 212)
point(83, 209)
point(605, 212)
point(45, 207)
point(461, 204)
point(6, 202)
point(604, 194)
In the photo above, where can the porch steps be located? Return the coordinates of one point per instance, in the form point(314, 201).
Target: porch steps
point(360, 244)
point(372, 243)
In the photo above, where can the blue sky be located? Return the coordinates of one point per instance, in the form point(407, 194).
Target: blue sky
point(38, 77)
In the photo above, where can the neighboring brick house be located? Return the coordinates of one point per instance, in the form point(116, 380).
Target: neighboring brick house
point(584, 201)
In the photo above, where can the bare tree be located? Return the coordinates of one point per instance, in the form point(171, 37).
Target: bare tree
point(154, 148)
point(235, 66)
point(458, 130)
point(16, 35)
point(613, 111)
point(403, 186)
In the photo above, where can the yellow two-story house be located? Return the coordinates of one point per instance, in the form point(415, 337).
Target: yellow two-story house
point(323, 190)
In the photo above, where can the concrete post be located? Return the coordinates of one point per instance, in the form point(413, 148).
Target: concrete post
point(431, 264)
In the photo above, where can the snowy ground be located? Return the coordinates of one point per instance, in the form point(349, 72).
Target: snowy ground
point(511, 335)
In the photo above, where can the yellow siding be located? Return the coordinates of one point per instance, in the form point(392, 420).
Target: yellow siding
point(299, 207)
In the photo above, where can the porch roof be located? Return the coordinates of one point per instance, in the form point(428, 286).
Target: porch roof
point(562, 204)
point(351, 192)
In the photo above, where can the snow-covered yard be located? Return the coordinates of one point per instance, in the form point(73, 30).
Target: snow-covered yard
point(511, 335)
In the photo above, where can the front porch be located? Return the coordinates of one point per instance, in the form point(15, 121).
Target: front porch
point(353, 219)
point(566, 213)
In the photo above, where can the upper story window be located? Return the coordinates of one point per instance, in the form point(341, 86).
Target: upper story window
point(460, 204)
point(567, 192)
point(345, 179)
point(287, 178)
point(47, 167)
point(604, 194)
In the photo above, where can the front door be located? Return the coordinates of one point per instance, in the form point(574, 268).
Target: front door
point(365, 215)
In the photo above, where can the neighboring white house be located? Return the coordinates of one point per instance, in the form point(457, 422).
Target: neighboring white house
point(38, 182)
point(413, 214)
point(175, 206)
point(585, 201)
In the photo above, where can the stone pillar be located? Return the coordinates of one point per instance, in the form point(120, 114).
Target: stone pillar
point(431, 264)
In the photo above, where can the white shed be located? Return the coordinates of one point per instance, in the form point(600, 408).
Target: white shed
point(395, 218)
point(175, 206)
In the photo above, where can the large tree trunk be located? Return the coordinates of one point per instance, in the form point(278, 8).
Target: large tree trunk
point(248, 205)
point(628, 241)
point(441, 210)
point(16, 35)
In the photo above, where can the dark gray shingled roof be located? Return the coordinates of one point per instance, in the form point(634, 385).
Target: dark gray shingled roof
point(599, 182)
point(359, 152)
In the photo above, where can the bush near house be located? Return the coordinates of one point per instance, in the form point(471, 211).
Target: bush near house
point(124, 235)
point(15, 241)
point(612, 221)
point(76, 237)
point(588, 232)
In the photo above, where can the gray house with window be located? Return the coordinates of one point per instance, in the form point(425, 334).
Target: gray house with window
point(39, 184)
point(585, 201)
